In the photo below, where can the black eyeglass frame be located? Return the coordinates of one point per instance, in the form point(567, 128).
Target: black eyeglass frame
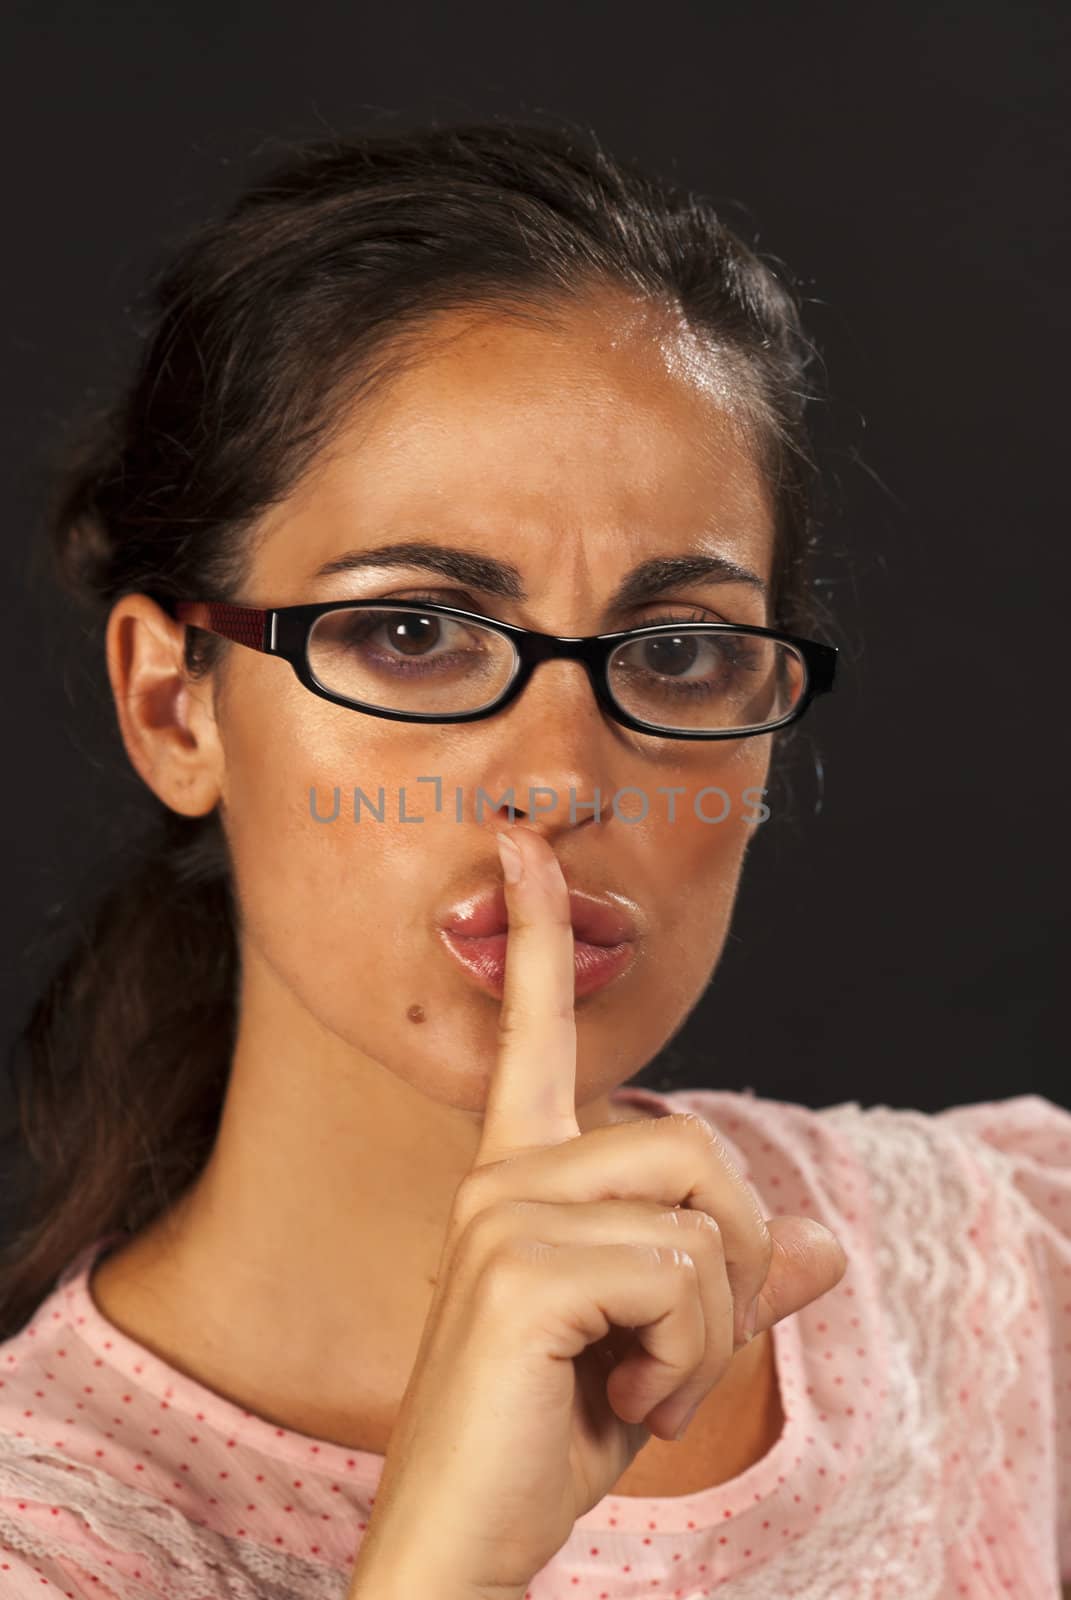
point(284, 631)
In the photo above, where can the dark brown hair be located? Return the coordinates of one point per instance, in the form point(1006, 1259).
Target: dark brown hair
point(267, 325)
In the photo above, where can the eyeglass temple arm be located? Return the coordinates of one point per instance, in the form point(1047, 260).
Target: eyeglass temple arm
point(248, 625)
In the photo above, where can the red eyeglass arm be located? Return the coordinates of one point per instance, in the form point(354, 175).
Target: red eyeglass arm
point(243, 624)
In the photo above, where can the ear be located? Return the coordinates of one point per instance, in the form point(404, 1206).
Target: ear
point(167, 719)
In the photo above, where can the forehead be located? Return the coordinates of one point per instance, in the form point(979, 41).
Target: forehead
point(595, 437)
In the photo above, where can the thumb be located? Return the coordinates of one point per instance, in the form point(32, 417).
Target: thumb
point(807, 1261)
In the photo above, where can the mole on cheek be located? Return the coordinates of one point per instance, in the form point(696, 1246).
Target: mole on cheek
point(415, 1013)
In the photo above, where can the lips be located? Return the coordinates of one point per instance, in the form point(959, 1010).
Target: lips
point(595, 921)
point(606, 937)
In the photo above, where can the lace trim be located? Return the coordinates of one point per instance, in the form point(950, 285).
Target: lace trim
point(178, 1558)
point(929, 1453)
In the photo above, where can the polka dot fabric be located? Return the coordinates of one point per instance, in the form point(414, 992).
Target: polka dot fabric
point(925, 1453)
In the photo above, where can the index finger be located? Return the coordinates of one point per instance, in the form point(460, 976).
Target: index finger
point(531, 1099)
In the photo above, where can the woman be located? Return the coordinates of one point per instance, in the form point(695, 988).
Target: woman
point(522, 397)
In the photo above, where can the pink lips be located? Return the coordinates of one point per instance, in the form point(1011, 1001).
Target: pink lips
point(604, 940)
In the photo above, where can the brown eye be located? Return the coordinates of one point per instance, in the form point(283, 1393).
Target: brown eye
point(421, 664)
point(410, 634)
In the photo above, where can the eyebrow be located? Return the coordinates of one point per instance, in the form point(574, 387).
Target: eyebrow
point(644, 582)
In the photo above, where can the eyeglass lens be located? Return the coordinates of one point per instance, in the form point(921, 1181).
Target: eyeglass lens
point(433, 665)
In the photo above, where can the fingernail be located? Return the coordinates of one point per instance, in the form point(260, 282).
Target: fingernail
point(510, 857)
point(751, 1317)
point(687, 1419)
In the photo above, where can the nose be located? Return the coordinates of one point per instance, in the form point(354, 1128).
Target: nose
point(552, 748)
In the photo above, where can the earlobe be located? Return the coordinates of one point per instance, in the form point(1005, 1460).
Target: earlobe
point(185, 749)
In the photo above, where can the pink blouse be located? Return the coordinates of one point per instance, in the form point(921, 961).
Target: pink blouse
point(925, 1453)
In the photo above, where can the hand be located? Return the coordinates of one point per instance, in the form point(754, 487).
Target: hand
point(592, 1290)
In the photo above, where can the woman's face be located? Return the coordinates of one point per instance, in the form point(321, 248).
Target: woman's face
point(573, 455)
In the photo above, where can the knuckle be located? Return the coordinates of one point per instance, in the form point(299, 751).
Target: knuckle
point(692, 1126)
point(498, 1279)
point(505, 1273)
point(699, 1222)
point(656, 1255)
point(472, 1196)
point(477, 1182)
point(494, 1227)
point(645, 1250)
point(672, 1256)
point(516, 1252)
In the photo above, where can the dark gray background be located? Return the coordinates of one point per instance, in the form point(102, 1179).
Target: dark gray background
point(901, 928)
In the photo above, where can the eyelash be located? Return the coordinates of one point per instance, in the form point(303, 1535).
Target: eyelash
point(698, 613)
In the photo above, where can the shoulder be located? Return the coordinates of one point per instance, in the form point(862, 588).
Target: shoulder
point(959, 1219)
point(954, 1315)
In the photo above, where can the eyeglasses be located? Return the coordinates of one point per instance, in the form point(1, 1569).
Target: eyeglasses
point(418, 661)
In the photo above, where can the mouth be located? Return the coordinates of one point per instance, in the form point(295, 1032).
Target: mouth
point(605, 939)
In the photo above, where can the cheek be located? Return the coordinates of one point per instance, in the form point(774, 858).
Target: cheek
point(322, 896)
point(339, 913)
point(702, 851)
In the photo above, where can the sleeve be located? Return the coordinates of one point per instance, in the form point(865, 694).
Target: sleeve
point(1032, 1136)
